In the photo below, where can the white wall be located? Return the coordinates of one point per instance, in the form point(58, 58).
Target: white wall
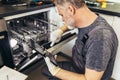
point(114, 0)
point(116, 71)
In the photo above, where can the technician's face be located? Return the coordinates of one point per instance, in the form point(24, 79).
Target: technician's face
point(66, 15)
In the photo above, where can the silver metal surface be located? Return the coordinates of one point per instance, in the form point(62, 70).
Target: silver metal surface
point(26, 14)
point(28, 63)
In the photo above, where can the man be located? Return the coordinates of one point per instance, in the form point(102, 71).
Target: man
point(95, 48)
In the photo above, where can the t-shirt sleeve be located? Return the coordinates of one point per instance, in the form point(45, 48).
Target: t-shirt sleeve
point(99, 51)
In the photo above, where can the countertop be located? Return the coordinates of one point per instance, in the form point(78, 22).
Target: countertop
point(111, 9)
point(7, 10)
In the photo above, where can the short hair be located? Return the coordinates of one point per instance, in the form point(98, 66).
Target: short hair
point(76, 3)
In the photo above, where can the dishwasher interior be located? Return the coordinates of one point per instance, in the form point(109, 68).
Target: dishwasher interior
point(26, 34)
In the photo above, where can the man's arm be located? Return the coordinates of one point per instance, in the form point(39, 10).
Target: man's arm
point(67, 75)
point(89, 75)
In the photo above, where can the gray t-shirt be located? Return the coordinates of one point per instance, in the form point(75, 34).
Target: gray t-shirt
point(99, 51)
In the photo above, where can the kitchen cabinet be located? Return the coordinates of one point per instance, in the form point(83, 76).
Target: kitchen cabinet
point(55, 18)
point(116, 27)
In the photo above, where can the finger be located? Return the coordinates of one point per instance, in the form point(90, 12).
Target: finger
point(52, 44)
point(55, 56)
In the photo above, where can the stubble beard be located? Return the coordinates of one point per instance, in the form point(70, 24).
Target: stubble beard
point(70, 21)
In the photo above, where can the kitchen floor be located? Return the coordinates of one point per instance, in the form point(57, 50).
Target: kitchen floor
point(36, 74)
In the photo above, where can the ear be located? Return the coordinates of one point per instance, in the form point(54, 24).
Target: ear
point(71, 9)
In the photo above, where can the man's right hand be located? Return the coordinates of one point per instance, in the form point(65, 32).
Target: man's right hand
point(56, 36)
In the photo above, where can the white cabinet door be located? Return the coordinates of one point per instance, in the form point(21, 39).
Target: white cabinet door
point(55, 18)
point(116, 71)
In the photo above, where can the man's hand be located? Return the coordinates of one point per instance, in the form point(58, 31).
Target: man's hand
point(56, 36)
point(51, 67)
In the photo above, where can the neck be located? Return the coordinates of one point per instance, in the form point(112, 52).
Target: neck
point(84, 17)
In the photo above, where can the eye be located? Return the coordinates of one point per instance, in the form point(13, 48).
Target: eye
point(61, 15)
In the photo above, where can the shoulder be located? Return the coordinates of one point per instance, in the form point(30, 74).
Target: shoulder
point(104, 37)
point(105, 32)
